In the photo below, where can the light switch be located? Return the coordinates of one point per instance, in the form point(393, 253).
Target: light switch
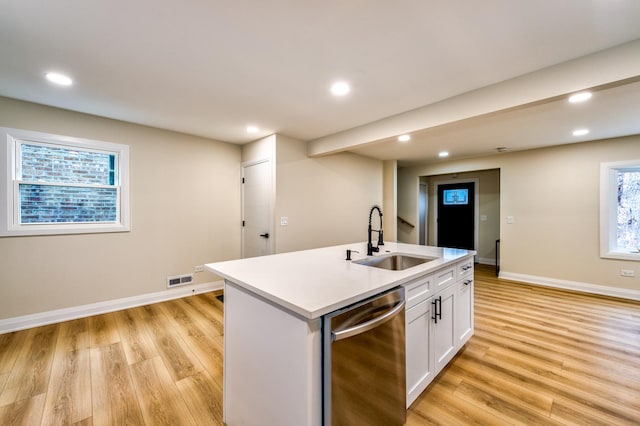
point(509, 219)
point(284, 220)
point(483, 218)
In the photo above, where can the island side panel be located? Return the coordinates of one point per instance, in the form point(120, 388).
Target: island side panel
point(272, 363)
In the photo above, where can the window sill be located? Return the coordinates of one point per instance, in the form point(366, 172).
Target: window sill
point(622, 255)
point(63, 229)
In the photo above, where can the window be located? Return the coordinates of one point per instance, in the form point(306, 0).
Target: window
point(62, 185)
point(455, 197)
point(620, 210)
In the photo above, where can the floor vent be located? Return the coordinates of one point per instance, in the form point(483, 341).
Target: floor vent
point(179, 280)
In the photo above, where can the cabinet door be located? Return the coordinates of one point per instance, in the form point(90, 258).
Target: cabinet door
point(464, 310)
point(419, 358)
point(444, 339)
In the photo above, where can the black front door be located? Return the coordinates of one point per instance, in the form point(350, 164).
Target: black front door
point(456, 219)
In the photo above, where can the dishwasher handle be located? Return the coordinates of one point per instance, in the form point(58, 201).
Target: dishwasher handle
point(366, 326)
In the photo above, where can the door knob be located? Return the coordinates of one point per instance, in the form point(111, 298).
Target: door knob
point(265, 235)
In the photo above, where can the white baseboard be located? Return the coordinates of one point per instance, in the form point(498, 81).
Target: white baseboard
point(572, 285)
point(50, 317)
point(486, 261)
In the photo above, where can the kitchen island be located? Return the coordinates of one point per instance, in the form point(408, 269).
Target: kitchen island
point(273, 312)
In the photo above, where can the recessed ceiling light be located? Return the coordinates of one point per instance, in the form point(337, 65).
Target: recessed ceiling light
point(580, 132)
point(58, 78)
point(580, 97)
point(404, 138)
point(252, 129)
point(340, 88)
point(443, 154)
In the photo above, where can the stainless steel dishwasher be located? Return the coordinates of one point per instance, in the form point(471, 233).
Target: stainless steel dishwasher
point(364, 362)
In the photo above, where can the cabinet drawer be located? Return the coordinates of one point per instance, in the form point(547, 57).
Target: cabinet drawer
point(418, 290)
point(443, 278)
point(465, 268)
point(416, 311)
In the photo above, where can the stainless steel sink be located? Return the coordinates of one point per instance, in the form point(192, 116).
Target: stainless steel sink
point(395, 262)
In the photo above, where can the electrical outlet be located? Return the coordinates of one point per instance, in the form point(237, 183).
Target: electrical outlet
point(627, 273)
point(284, 221)
point(199, 268)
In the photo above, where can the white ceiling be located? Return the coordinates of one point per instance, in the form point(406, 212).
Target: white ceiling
point(611, 112)
point(210, 68)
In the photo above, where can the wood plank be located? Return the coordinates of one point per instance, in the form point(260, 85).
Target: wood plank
point(74, 335)
point(439, 406)
point(4, 378)
point(26, 412)
point(69, 393)
point(203, 397)
point(208, 309)
point(179, 359)
point(482, 378)
point(84, 422)
point(11, 344)
point(501, 407)
point(570, 341)
point(137, 344)
point(30, 374)
point(103, 330)
point(113, 397)
point(197, 336)
point(569, 411)
point(556, 384)
point(159, 398)
point(615, 373)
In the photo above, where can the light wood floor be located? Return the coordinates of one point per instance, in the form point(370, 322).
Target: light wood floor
point(538, 356)
point(154, 365)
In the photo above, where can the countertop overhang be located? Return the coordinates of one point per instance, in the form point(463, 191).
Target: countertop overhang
point(312, 283)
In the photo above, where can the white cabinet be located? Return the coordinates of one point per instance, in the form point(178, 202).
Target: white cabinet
point(465, 269)
point(444, 277)
point(439, 320)
point(418, 290)
point(419, 358)
point(265, 346)
point(464, 310)
point(444, 339)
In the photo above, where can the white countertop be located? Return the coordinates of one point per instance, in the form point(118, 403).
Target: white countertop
point(312, 283)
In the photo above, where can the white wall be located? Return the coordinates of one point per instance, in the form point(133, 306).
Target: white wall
point(262, 149)
point(185, 207)
point(390, 204)
point(408, 208)
point(326, 199)
point(553, 195)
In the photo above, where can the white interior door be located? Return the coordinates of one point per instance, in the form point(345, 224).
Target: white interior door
point(257, 235)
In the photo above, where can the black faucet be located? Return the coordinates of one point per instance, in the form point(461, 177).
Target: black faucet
point(370, 247)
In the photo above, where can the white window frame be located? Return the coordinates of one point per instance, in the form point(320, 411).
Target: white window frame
point(609, 209)
point(9, 199)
